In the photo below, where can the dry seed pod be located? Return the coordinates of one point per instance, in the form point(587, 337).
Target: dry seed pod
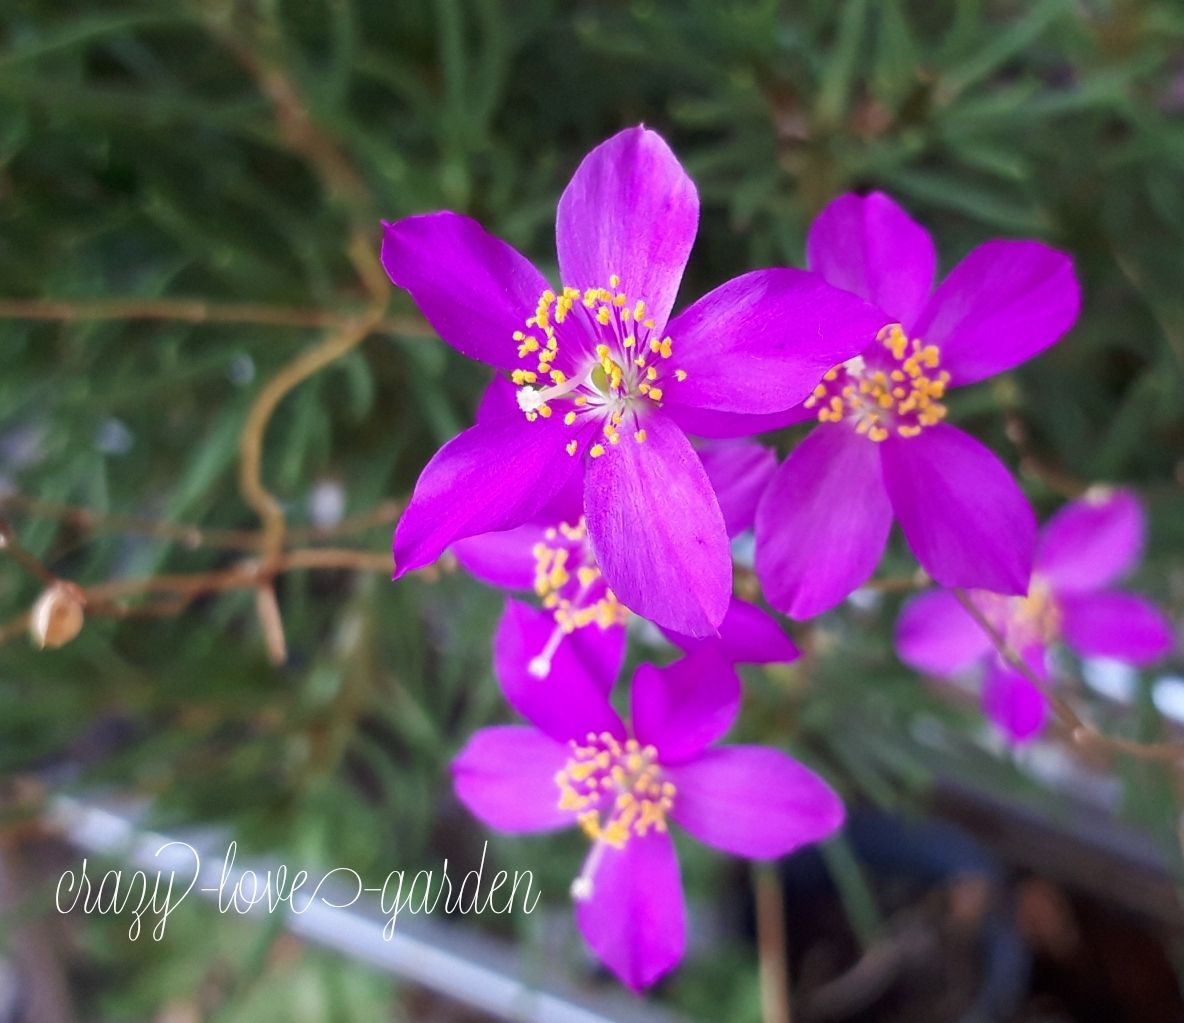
point(57, 616)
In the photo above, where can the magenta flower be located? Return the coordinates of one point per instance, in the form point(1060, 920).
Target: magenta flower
point(1082, 550)
point(552, 556)
point(883, 450)
point(605, 377)
point(580, 765)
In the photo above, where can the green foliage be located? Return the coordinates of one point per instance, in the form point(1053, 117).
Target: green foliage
point(140, 158)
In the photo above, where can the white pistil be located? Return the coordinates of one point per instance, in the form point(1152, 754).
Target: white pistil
point(531, 399)
point(540, 666)
point(582, 887)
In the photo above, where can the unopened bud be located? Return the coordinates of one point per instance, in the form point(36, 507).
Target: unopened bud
point(57, 616)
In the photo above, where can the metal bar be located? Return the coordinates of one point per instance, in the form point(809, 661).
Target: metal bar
point(461, 966)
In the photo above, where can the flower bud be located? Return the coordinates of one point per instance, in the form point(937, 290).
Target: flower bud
point(57, 616)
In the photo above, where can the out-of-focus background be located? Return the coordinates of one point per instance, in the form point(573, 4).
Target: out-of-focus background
point(190, 197)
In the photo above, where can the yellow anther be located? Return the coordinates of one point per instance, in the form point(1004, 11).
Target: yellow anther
point(596, 450)
point(624, 795)
point(880, 402)
point(639, 436)
point(572, 446)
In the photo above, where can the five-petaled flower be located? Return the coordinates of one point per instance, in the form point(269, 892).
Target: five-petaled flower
point(607, 381)
point(1082, 550)
point(883, 448)
point(581, 765)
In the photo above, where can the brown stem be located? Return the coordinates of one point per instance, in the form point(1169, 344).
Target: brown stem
point(251, 485)
point(772, 949)
point(199, 311)
point(107, 600)
point(1081, 731)
point(31, 564)
point(195, 537)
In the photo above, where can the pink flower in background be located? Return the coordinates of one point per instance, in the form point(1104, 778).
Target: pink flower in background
point(552, 556)
point(579, 764)
point(604, 376)
point(1082, 551)
point(883, 450)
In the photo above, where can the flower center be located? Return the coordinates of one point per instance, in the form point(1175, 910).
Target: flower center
point(618, 365)
point(615, 789)
point(571, 586)
point(899, 390)
point(1025, 622)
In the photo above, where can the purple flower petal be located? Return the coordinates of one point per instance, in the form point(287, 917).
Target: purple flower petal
point(635, 918)
point(494, 476)
point(739, 471)
point(571, 700)
point(822, 524)
point(965, 518)
point(505, 776)
point(1118, 625)
point(935, 634)
point(753, 801)
point(500, 399)
point(761, 342)
point(1004, 303)
point(505, 559)
point(657, 531)
point(629, 210)
point(750, 635)
point(702, 422)
point(747, 635)
point(473, 288)
point(870, 246)
point(1091, 543)
point(686, 706)
point(1017, 708)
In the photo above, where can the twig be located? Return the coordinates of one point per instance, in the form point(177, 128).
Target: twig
point(267, 609)
point(199, 311)
point(898, 584)
point(772, 952)
point(90, 521)
point(1060, 482)
point(254, 492)
point(1080, 730)
point(197, 537)
point(105, 600)
point(31, 564)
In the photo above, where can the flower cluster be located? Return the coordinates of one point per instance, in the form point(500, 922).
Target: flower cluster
point(579, 488)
